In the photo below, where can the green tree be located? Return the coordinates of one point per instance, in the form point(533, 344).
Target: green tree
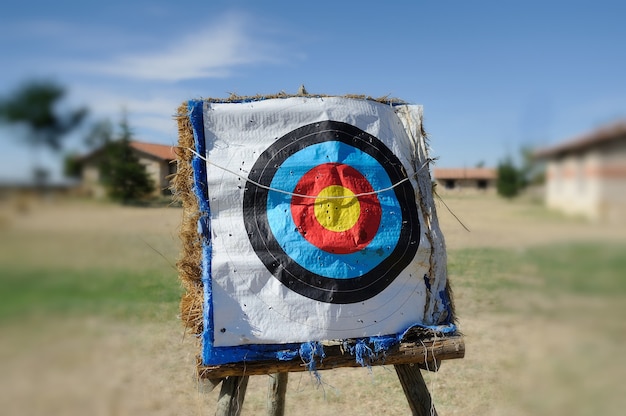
point(72, 167)
point(98, 136)
point(122, 174)
point(36, 106)
point(509, 181)
point(100, 133)
point(532, 170)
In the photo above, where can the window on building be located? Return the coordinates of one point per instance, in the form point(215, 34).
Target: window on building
point(172, 168)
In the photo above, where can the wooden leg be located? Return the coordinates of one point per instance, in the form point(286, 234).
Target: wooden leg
point(231, 397)
point(276, 394)
point(415, 390)
point(207, 385)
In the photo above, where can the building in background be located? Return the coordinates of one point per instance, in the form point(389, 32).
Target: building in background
point(159, 160)
point(465, 179)
point(587, 175)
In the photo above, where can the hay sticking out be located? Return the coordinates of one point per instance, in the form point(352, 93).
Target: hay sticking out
point(189, 263)
point(234, 98)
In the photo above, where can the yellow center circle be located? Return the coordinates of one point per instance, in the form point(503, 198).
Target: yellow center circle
point(337, 214)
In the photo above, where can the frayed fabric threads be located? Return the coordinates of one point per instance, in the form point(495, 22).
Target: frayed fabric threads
point(368, 350)
point(308, 352)
point(363, 354)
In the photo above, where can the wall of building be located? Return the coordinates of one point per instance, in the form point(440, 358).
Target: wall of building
point(465, 185)
point(612, 203)
point(157, 171)
point(591, 184)
point(90, 180)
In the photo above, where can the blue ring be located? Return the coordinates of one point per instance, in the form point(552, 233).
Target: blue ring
point(331, 265)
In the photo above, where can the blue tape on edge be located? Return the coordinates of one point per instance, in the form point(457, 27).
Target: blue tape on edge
point(200, 188)
point(219, 355)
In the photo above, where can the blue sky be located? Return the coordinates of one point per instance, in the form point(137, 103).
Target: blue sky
point(492, 75)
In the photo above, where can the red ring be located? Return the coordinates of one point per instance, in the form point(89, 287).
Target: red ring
point(303, 209)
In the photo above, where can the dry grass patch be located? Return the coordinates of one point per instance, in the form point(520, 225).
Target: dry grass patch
point(543, 319)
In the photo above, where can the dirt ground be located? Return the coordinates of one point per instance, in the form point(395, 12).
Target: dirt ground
point(516, 364)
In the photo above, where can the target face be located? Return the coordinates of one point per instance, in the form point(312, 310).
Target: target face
point(329, 212)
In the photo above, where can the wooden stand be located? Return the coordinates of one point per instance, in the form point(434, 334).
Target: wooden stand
point(407, 359)
point(415, 390)
point(233, 390)
point(232, 394)
point(276, 394)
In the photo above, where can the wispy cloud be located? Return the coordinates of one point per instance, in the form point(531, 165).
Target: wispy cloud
point(212, 52)
point(149, 112)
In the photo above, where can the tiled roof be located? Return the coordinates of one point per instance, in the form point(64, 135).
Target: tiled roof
point(465, 173)
point(161, 151)
point(615, 131)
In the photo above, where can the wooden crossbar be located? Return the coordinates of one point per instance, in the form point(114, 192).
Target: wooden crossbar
point(407, 359)
point(427, 354)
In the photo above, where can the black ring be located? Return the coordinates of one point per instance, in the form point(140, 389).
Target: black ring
point(286, 270)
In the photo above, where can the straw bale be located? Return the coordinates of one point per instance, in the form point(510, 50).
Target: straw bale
point(189, 268)
point(189, 263)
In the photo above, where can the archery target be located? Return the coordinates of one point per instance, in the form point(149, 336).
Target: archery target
point(330, 212)
point(315, 231)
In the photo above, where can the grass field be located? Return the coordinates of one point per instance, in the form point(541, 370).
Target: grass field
point(88, 314)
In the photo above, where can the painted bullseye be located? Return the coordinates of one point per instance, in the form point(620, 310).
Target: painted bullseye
point(337, 214)
point(334, 225)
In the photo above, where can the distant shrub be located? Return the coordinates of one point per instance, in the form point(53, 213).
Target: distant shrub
point(510, 180)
